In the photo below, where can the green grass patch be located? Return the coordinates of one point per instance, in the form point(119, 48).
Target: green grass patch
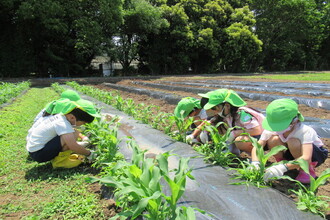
point(31, 190)
point(325, 76)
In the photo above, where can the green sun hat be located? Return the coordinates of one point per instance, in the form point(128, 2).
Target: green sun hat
point(70, 94)
point(62, 105)
point(87, 107)
point(219, 96)
point(67, 94)
point(279, 114)
point(185, 106)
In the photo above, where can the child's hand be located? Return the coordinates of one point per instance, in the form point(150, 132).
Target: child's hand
point(191, 139)
point(255, 165)
point(275, 171)
point(92, 156)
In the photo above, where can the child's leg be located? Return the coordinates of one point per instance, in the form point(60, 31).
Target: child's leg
point(243, 143)
point(273, 142)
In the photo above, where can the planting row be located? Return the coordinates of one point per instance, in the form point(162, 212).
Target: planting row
point(322, 126)
point(311, 102)
point(157, 143)
point(11, 90)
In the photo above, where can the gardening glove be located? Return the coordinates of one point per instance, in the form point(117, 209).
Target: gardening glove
point(83, 143)
point(92, 156)
point(275, 171)
point(85, 138)
point(255, 165)
point(191, 139)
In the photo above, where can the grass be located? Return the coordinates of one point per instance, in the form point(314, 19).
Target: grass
point(291, 76)
point(325, 76)
point(29, 190)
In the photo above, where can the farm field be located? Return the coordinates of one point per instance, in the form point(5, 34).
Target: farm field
point(127, 88)
point(165, 92)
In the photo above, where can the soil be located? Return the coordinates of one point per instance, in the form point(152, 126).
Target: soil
point(282, 185)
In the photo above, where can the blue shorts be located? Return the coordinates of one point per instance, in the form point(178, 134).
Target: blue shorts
point(320, 154)
point(51, 149)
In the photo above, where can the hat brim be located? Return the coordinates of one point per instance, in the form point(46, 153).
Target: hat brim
point(208, 106)
point(278, 126)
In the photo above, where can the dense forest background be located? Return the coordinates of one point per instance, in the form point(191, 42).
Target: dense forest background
point(165, 36)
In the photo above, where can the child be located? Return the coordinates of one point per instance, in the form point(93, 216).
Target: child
point(67, 94)
point(283, 127)
point(191, 107)
point(233, 111)
point(51, 135)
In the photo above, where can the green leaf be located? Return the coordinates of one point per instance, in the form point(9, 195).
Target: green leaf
point(135, 171)
point(143, 203)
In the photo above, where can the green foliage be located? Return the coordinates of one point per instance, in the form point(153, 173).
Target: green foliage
point(140, 112)
point(307, 198)
point(292, 32)
point(217, 151)
point(139, 189)
point(249, 173)
point(57, 37)
point(182, 124)
point(104, 139)
point(11, 90)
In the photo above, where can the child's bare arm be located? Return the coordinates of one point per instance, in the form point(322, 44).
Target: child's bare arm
point(69, 142)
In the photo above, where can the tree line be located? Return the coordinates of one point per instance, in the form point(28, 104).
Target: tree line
point(165, 36)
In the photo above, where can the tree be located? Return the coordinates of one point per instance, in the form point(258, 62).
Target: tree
point(199, 35)
point(140, 19)
point(291, 32)
point(60, 37)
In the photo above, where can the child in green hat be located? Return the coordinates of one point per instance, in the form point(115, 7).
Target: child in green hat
point(191, 107)
point(51, 135)
point(283, 126)
point(231, 108)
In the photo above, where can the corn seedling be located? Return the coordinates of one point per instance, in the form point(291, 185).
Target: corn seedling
point(216, 151)
point(104, 140)
point(251, 174)
point(139, 188)
point(307, 198)
point(182, 126)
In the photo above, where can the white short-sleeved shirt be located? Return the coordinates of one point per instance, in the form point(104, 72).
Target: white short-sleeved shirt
point(202, 114)
point(304, 133)
point(39, 115)
point(45, 129)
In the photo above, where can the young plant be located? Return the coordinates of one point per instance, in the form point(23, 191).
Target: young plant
point(217, 150)
point(104, 139)
point(307, 198)
point(183, 126)
point(254, 175)
point(139, 187)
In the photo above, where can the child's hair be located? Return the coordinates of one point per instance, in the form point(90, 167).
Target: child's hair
point(81, 115)
point(204, 101)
